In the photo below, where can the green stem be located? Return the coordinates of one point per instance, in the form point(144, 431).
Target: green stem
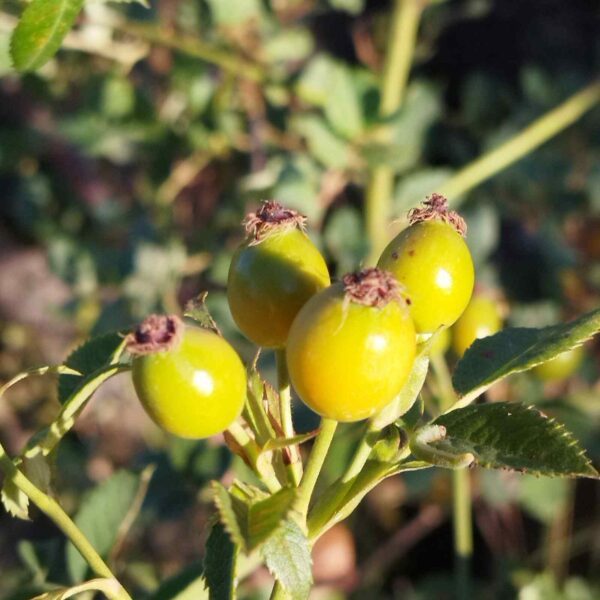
point(314, 465)
point(361, 454)
point(521, 144)
point(252, 453)
point(399, 57)
point(461, 493)
point(54, 511)
point(285, 411)
point(558, 536)
point(194, 47)
point(463, 532)
point(358, 461)
point(70, 410)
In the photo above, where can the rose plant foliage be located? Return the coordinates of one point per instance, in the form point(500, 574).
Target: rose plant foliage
point(361, 348)
point(188, 378)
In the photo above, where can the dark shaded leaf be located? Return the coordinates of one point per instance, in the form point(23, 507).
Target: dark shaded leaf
point(517, 349)
point(507, 435)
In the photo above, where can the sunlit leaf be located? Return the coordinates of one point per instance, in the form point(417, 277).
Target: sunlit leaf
point(41, 30)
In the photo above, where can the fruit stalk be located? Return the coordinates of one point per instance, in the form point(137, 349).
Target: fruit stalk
point(314, 465)
point(361, 454)
point(285, 411)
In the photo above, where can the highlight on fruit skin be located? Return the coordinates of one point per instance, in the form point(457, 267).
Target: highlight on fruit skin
point(272, 274)
point(352, 347)
point(431, 259)
point(482, 317)
point(190, 381)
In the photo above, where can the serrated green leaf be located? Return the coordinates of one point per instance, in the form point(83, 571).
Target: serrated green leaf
point(287, 556)
point(101, 513)
point(254, 411)
point(197, 310)
point(251, 520)
point(219, 564)
point(41, 30)
point(508, 435)
point(410, 392)
point(15, 501)
point(233, 514)
point(86, 359)
point(266, 516)
point(514, 350)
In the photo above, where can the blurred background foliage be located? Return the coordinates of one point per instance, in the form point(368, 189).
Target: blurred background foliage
point(126, 166)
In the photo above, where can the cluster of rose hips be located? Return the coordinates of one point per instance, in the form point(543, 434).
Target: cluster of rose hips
point(350, 345)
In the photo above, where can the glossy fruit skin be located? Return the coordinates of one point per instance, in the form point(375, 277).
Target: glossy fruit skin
point(481, 318)
point(194, 390)
point(346, 360)
point(432, 261)
point(561, 367)
point(270, 281)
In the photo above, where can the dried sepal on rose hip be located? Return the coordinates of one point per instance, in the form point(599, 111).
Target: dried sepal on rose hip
point(273, 273)
point(352, 346)
point(431, 259)
point(189, 380)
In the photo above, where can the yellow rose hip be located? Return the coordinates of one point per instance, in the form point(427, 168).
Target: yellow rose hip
point(352, 346)
point(272, 274)
point(189, 380)
point(432, 261)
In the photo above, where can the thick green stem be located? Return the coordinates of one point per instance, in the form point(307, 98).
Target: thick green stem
point(461, 494)
point(521, 144)
point(399, 56)
point(53, 510)
point(314, 465)
point(285, 410)
point(463, 532)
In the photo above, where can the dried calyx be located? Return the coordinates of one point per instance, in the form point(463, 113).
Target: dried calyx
point(435, 208)
point(156, 333)
point(271, 217)
point(373, 287)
